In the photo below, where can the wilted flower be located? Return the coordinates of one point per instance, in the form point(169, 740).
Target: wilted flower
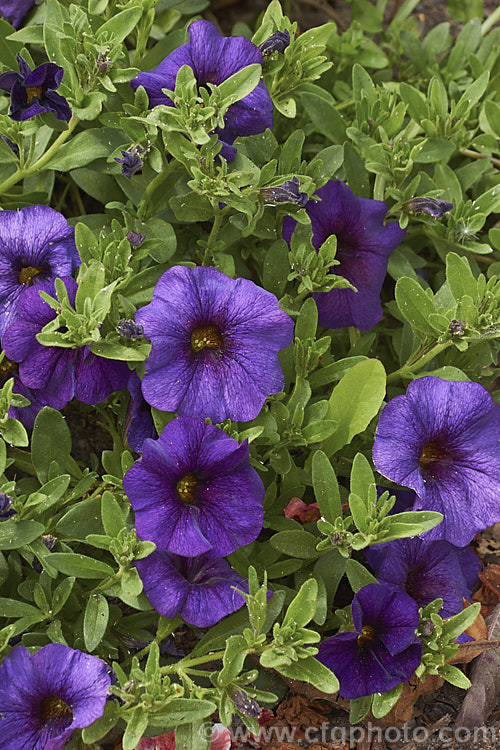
point(129, 329)
point(139, 424)
point(214, 58)
point(6, 511)
point(131, 161)
point(33, 91)
point(383, 651)
point(246, 705)
point(103, 64)
point(15, 10)
point(430, 570)
point(58, 370)
point(288, 192)
point(300, 511)
point(44, 697)
point(194, 491)
point(36, 244)
point(441, 439)
point(277, 42)
point(135, 238)
point(457, 327)
point(364, 243)
point(215, 342)
point(200, 589)
point(432, 206)
point(50, 543)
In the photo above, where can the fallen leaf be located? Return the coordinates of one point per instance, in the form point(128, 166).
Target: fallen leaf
point(484, 692)
point(301, 512)
point(469, 651)
point(300, 711)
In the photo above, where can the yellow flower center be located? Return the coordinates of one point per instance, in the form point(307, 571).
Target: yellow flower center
point(53, 707)
point(6, 367)
point(28, 273)
point(186, 487)
point(206, 337)
point(368, 634)
point(32, 92)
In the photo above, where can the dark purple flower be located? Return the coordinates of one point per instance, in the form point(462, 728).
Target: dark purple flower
point(58, 371)
point(194, 491)
point(33, 91)
point(277, 42)
point(44, 697)
point(214, 58)
point(364, 243)
point(383, 651)
point(441, 439)
point(15, 10)
point(6, 511)
point(215, 342)
point(13, 146)
point(139, 424)
point(432, 206)
point(288, 192)
point(38, 399)
point(36, 244)
point(135, 238)
point(129, 329)
point(131, 162)
point(200, 589)
point(430, 570)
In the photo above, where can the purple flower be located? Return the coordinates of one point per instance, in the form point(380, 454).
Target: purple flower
point(139, 423)
point(430, 570)
point(288, 192)
point(131, 162)
point(199, 589)
point(441, 439)
point(215, 342)
point(364, 243)
point(33, 91)
point(277, 42)
point(13, 146)
point(36, 244)
point(44, 697)
point(38, 399)
point(58, 371)
point(15, 10)
point(214, 58)
point(383, 651)
point(432, 206)
point(135, 238)
point(129, 329)
point(6, 511)
point(194, 491)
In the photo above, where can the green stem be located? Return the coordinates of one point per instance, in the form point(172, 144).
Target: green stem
point(213, 234)
point(32, 150)
point(153, 185)
point(492, 19)
point(27, 171)
point(415, 364)
point(189, 663)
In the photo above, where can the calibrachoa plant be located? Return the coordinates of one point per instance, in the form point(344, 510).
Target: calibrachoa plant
point(249, 318)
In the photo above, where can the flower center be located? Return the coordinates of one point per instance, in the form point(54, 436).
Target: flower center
point(434, 457)
point(32, 92)
point(186, 487)
point(368, 634)
point(55, 709)
point(6, 367)
point(206, 337)
point(28, 273)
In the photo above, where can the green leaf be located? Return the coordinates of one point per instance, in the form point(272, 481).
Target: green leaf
point(80, 566)
point(326, 488)
point(310, 670)
point(459, 277)
point(383, 702)
point(50, 441)
point(300, 544)
point(415, 304)
point(326, 119)
point(302, 607)
point(112, 516)
point(454, 676)
point(240, 84)
point(355, 401)
point(119, 26)
point(16, 608)
point(95, 621)
point(358, 575)
point(15, 534)
point(84, 148)
point(233, 660)
point(101, 726)
point(194, 736)
point(456, 625)
point(136, 726)
point(182, 711)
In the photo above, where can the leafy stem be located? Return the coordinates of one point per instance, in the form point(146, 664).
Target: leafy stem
point(421, 357)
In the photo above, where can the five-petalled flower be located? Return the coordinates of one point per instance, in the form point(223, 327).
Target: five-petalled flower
point(34, 91)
